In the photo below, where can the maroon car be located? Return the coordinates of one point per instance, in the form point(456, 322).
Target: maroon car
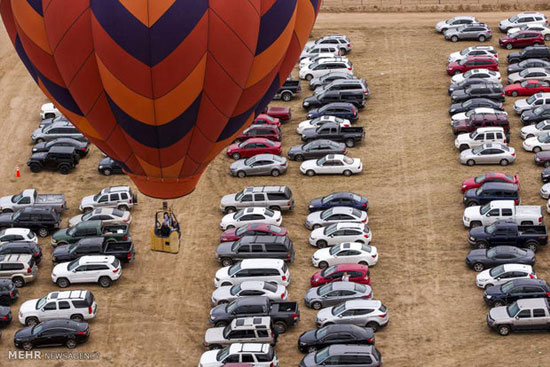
point(255, 229)
point(522, 39)
point(265, 131)
point(253, 146)
point(282, 113)
point(357, 274)
point(478, 120)
point(543, 158)
point(472, 62)
point(266, 119)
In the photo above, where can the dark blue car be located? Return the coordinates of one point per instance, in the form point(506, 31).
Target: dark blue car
point(339, 109)
point(490, 191)
point(344, 198)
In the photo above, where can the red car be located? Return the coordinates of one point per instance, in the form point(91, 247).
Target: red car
point(282, 113)
point(475, 182)
point(253, 146)
point(265, 131)
point(255, 229)
point(472, 62)
point(521, 39)
point(266, 119)
point(357, 274)
point(527, 88)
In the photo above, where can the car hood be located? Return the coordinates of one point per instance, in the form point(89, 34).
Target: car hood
point(221, 293)
point(218, 311)
point(214, 334)
point(228, 199)
point(28, 306)
point(311, 294)
point(514, 68)
point(296, 149)
point(463, 138)
point(229, 235)
point(322, 253)
point(513, 55)
point(317, 275)
point(457, 79)
point(60, 268)
point(62, 250)
point(60, 234)
point(472, 211)
point(222, 273)
point(237, 165)
point(455, 55)
point(494, 291)
point(477, 254)
point(87, 200)
point(38, 147)
point(75, 220)
point(458, 116)
point(312, 114)
point(528, 113)
point(24, 333)
point(308, 337)
point(325, 313)
point(470, 193)
point(499, 313)
point(308, 360)
point(530, 141)
point(224, 248)
point(36, 132)
point(466, 154)
point(458, 94)
point(484, 276)
point(208, 359)
point(311, 99)
point(506, 39)
point(309, 164)
point(522, 103)
point(477, 231)
point(5, 201)
point(316, 203)
point(309, 133)
point(460, 123)
point(314, 217)
point(468, 182)
point(513, 77)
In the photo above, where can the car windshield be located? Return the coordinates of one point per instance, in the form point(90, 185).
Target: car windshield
point(541, 125)
point(226, 331)
point(222, 354)
point(524, 72)
point(490, 229)
point(41, 302)
point(468, 103)
point(478, 149)
point(321, 355)
point(538, 110)
point(239, 214)
point(235, 246)
point(513, 309)
point(270, 287)
point(268, 118)
point(465, 51)
point(470, 113)
point(73, 247)
point(336, 310)
point(366, 248)
point(236, 289)
point(71, 231)
point(334, 249)
point(324, 289)
point(468, 73)
point(479, 179)
point(524, 83)
point(327, 213)
point(16, 198)
point(87, 216)
point(313, 65)
point(320, 333)
point(73, 264)
point(485, 208)
point(542, 138)
point(507, 287)
point(328, 271)
point(532, 99)
point(241, 230)
point(330, 229)
point(473, 135)
point(513, 19)
point(321, 161)
point(235, 268)
point(249, 161)
point(327, 199)
point(463, 61)
point(239, 195)
point(275, 229)
point(496, 271)
point(37, 329)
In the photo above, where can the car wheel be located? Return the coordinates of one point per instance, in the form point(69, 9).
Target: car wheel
point(27, 346)
point(471, 162)
point(241, 174)
point(230, 227)
point(123, 207)
point(509, 46)
point(323, 265)
point(504, 330)
point(286, 96)
point(63, 282)
point(363, 263)
point(547, 37)
point(498, 304)
point(280, 327)
point(472, 203)
point(43, 232)
point(299, 158)
point(315, 226)
point(214, 347)
point(106, 172)
point(18, 282)
point(488, 285)
point(7, 211)
point(309, 77)
point(536, 149)
point(343, 52)
point(311, 349)
point(316, 305)
point(504, 162)
point(482, 38)
point(226, 284)
point(515, 94)
point(275, 207)
point(310, 172)
point(457, 72)
point(236, 155)
point(50, 115)
point(223, 302)
point(275, 173)
point(40, 140)
point(64, 169)
point(70, 343)
point(230, 209)
point(478, 267)
point(350, 143)
point(547, 164)
point(475, 224)
point(482, 245)
point(347, 173)
point(463, 147)
point(105, 282)
point(533, 246)
point(227, 261)
point(530, 136)
point(31, 321)
point(454, 38)
point(322, 244)
point(35, 167)
point(77, 318)
point(221, 324)
point(373, 325)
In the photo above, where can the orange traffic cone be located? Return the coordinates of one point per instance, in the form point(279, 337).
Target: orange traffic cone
point(17, 173)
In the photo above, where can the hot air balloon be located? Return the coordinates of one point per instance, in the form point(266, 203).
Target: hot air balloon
point(160, 85)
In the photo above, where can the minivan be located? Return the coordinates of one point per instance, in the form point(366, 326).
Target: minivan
point(490, 191)
point(268, 270)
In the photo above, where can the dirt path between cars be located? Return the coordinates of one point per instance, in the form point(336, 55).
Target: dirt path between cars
point(157, 313)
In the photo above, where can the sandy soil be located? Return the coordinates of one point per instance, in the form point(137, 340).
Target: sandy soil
point(157, 313)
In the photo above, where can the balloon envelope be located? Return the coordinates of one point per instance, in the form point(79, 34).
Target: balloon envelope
point(160, 85)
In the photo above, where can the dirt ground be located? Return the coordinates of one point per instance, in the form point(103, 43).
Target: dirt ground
point(157, 313)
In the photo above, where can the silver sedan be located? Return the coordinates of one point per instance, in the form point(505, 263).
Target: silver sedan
point(336, 214)
point(334, 293)
point(259, 165)
point(494, 153)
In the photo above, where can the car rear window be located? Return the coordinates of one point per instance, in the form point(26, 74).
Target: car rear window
point(115, 263)
point(118, 213)
point(383, 308)
point(284, 268)
point(269, 212)
point(89, 298)
point(270, 287)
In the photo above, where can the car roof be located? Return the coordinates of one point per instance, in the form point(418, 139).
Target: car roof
point(265, 156)
point(350, 225)
point(343, 286)
point(61, 149)
point(16, 231)
point(72, 294)
point(351, 267)
point(252, 284)
point(533, 302)
point(257, 140)
point(255, 263)
point(500, 185)
point(338, 349)
point(88, 259)
point(513, 267)
point(262, 322)
point(119, 188)
point(481, 57)
point(490, 129)
point(363, 303)
point(15, 258)
point(342, 209)
point(59, 323)
point(249, 347)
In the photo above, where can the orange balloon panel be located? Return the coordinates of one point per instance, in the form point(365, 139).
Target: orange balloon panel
point(160, 85)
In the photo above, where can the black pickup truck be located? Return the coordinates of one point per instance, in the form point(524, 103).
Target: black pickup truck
point(122, 250)
point(38, 219)
point(283, 314)
point(289, 90)
point(335, 132)
point(508, 233)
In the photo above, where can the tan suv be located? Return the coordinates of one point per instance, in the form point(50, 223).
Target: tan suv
point(20, 268)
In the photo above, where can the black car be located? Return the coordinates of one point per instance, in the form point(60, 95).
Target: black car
point(343, 198)
point(59, 158)
point(52, 333)
point(463, 85)
point(490, 191)
point(490, 91)
point(316, 339)
point(109, 166)
point(49, 121)
point(22, 247)
point(536, 115)
point(8, 292)
point(81, 147)
point(474, 103)
point(509, 292)
point(38, 219)
point(254, 247)
point(316, 149)
point(531, 52)
point(327, 78)
point(356, 97)
point(529, 63)
point(5, 316)
point(338, 109)
point(545, 175)
point(484, 259)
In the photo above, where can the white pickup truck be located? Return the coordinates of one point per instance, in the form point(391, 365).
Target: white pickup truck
point(29, 197)
point(489, 213)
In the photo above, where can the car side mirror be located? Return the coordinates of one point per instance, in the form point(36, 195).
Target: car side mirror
point(498, 278)
point(42, 309)
point(74, 270)
point(517, 317)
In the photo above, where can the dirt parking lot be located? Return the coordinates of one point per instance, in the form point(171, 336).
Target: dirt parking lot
point(157, 313)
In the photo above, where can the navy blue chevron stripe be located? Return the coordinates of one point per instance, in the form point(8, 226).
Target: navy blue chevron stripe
point(274, 22)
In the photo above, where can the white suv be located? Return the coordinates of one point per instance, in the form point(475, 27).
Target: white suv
point(88, 269)
point(326, 66)
point(120, 197)
point(17, 234)
point(319, 49)
point(77, 305)
point(241, 354)
point(267, 270)
point(539, 99)
point(520, 19)
point(543, 29)
point(49, 111)
point(479, 137)
point(473, 51)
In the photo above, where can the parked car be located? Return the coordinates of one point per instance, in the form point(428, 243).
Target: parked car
point(542, 159)
point(19, 268)
point(335, 293)
point(259, 165)
point(241, 330)
point(542, 28)
point(472, 62)
point(537, 143)
point(490, 191)
point(529, 17)
point(76, 305)
point(481, 259)
point(105, 215)
point(315, 123)
point(340, 232)
point(315, 339)
point(327, 78)
point(477, 111)
point(488, 153)
point(108, 166)
point(255, 229)
point(465, 84)
point(353, 96)
point(268, 270)
point(229, 293)
point(91, 228)
point(344, 355)
point(537, 115)
point(332, 131)
point(341, 41)
point(513, 290)
point(345, 84)
point(476, 216)
point(339, 109)
point(122, 250)
point(521, 39)
point(357, 274)
point(255, 247)
point(343, 198)
point(273, 197)
point(325, 66)
point(40, 220)
point(539, 74)
point(527, 64)
point(478, 181)
point(504, 273)
point(490, 91)
point(369, 313)
point(81, 147)
point(336, 214)
point(58, 158)
point(22, 247)
point(262, 118)
point(48, 121)
point(506, 232)
point(17, 234)
point(281, 113)
point(253, 146)
point(473, 51)
point(61, 129)
point(289, 90)
point(103, 270)
point(313, 59)
point(545, 177)
point(320, 49)
point(455, 22)
point(249, 216)
point(470, 104)
point(476, 121)
point(29, 197)
point(538, 99)
point(120, 197)
point(545, 191)
point(332, 164)
point(264, 131)
point(69, 333)
point(49, 111)
point(8, 292)
point(283, 314)
point(527, 88)
point(485, 74)
point(345, 253)
point(474, 31)
point(530, 52)
point(316, 149)
point(481, 136)
point(258, 354)
point(523, 315)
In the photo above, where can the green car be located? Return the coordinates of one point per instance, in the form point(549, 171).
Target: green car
point(92, 228)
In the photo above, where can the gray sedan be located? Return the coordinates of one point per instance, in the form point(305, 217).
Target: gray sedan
point(494, 153)
point(259, 165)
point(334, 293)
point(335, 214)
point(476, 31)
point(60, 129)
